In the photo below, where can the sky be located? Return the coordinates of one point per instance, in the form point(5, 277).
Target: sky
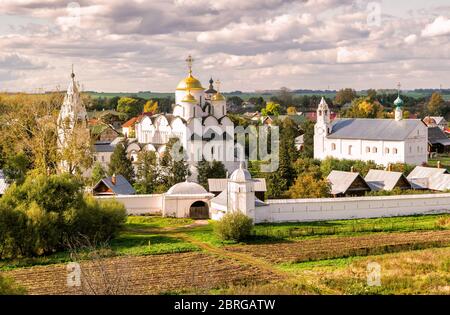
point(249, 45)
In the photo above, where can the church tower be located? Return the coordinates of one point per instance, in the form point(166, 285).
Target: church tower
point(398, 106)
point(241, 192)
point(322, 128)
point(72, 119)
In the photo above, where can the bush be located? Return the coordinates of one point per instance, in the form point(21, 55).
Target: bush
point(9, 287)
point(41, 215)
point(234, 226)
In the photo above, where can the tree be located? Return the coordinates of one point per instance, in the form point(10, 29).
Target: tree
point(291, 110)
point(214, 169)
point(435, 104)
point(98, 173)
point(307, 165)
point(307, 127)
point(364, 107)
point(151, 107)
point(174, 169)
point(120, 164)
point(372, 94)
point(307, 186)
point(271, 109)
point(344, 96)
point(147, 172)
point(285, 96)
point(16, 167)
point(129, 106)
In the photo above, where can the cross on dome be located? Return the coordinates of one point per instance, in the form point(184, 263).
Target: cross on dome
point(190, 61)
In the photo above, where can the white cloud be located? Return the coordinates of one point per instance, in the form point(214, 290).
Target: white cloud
point(440, 26)
point(410, 39)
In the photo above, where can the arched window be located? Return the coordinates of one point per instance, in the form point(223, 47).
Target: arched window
point(320, 113)
point(333, 146)
point(349, 150)
point(326, 112)
point(367, 149)
point(374, 150)
point(394, 151)
point(386, 150)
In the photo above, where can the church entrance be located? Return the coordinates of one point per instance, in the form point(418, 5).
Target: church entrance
point(199, 210)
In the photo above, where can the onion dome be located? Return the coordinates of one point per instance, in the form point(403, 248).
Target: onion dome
point(189, 98)
point(240, 175)
point(218, 97)
point(398, 102)
point(211, 89)
point(190, 83)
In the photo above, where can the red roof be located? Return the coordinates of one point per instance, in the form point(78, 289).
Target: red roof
point(130, 122)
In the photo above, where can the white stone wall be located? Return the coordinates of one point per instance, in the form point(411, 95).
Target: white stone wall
point(138, 204)
point(287, 210)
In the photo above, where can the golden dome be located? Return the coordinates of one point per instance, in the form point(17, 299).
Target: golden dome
point(190, 83)
point(218, 97)
point(189, 98)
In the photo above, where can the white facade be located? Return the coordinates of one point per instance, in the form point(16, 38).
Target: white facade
point(199, 120)
point(411, 149)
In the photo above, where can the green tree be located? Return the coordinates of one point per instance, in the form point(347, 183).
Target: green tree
point(16, 167)
point(174, 168)
point(147, 172)
point(129, 106)
point(271, 109)
point(435, 104)
point(364, 107)
point(307, 128)
point(308, 186)
point(214, 169)
point(344, 96)
point(120, 164)
point(98, 173)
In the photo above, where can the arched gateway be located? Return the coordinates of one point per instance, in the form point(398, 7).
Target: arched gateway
point(199, 210)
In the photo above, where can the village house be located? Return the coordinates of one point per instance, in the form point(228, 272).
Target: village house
point(347, 184)
point(386, 180)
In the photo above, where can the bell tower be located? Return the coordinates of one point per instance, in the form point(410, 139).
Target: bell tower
point(322, 128)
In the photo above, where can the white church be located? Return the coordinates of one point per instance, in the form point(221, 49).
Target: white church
point(199, 120)
point(384, 141)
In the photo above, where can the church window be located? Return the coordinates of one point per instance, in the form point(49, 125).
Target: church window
point(410, 149)
point(394, 151)
point(386, 150)
point(418, 149)
point(333, 146)
point(326, 112)
point(367, 149)
point(374, 150)
point(103, 158)
point(349, 150)
point(320, 113)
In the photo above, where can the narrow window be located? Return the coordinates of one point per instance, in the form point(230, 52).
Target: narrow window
point(395, 150)
point(367, 149)
point(333, 146)
point(374, 150)
point(349, 150)
point(386, 150)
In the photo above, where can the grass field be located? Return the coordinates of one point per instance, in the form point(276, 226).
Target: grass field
point(445, 161)
point(177, 256)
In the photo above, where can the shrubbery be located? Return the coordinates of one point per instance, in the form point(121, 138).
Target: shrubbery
point(234, 226)
point(41, 215)
point(9, 287)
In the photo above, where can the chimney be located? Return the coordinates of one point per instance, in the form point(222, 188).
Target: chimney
point(438, 164)
point(352, 169)
point(389, 168)
point(113, 179)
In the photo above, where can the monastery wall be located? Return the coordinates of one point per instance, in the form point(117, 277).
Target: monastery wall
point(286, 210)
point(138, 204)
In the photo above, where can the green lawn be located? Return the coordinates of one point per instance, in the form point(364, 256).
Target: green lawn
point(445, 161)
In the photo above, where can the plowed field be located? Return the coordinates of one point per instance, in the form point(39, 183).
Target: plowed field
point(327, 248)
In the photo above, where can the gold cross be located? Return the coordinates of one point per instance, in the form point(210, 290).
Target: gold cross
point(189, 62)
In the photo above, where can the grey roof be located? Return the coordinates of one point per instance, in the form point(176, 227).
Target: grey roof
point(421, 176)
point(341, 181)
point(220, 184)
point(103, 147)
point(122, 186)
point(3, 184)
point(439, 182)
point(436, 135)
point(373, 129)
point(383, 180)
